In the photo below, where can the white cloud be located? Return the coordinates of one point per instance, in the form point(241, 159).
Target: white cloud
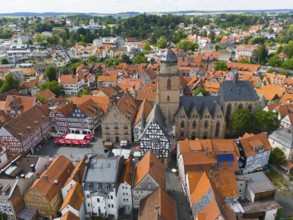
point(106, 6)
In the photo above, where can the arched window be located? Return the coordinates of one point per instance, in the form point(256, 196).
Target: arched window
point(194, 124)
point(193, 135)
point(182, 124)
point(206, 124)
point(205, 135)
point(250, 107)
point(228, 112)
point(169, 87)
point(168, 98)
point(217, 129)
point(240, 106)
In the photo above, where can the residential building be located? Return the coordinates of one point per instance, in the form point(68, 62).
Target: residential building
point(70, 84)
point(16, 105)
point(149, 176)
point(254, 151)
point(157, 205)
point(124, 191)
point(155, 135)
point(73, 202)
point(244, 51)
point(45, 193)
point(26, 132)
point(118, 121)
point(283, 139)
point(100, 186)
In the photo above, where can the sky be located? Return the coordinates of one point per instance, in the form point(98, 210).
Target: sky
point(114, 6)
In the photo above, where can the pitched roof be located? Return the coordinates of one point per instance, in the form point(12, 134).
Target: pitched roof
point(249, 142)
point(151, 165)
point(25, 102)
point(144, 108)
point(69, 216)
point(4, 95)
point(169, 56)
point(68, 79)
point(77, 172)
point(103, 102)
point(128, 171)
point(157, 206)
point(271, 92)
point(24, 125)
point(66, 109)
point(243, 66)
point(74, 197)
point(149, 95)
point(47, 94)
point(127, 105)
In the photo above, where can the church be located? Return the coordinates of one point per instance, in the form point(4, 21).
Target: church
point(200, 117)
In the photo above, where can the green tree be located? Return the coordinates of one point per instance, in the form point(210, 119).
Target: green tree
point(4, 61)
point(222, 66)
point(92, 59)
point(42, 99)
point(147, 47)
point(242, 121)
point(3, 216)
point(202, 91)
point(85, 91)
point(243, 60)
point(187, 45)
point(260, 54)
point(288, 64)
point(9, 83)
point(162, 43)
point(275, 61)
point(277, 157)
point(266, 121)
point(139, 58)
point(288, 49)
point(64, 70)
point(51, 73)
point(53, 86)
point(125, 58)
point(40, 39)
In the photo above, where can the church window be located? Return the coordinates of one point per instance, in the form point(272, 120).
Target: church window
point(169, 87)
point(182, 124)
point(217, 129)
point(168, 98)
point(240, 106)
point(250, 107)
point(228, 112)
point(194, 124)
point(206, 124)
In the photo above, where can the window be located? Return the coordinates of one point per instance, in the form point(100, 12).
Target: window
point(250, 107)
point(220, 164)
point(230, 163)
point(240, 106)
point(168, 98)
point(228, 112)
point(169, 87)
point(112, 206)
point(194, 124)
point(182, 124)
point(206, 124)
point(98, 200)
point(217, 129)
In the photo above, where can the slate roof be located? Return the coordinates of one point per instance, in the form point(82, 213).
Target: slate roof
point(169, 56)
point(239, 91)
point(200, 103)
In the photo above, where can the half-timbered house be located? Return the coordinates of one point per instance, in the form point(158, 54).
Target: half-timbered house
point(25, 132)
point(155, 135)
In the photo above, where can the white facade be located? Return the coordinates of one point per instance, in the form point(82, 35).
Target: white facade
point(66, 188)
point(72, 89)
point(79, 213)
point(125, 197)
point(256, 161)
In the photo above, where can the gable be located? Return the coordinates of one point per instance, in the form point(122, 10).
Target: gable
point(147, 183)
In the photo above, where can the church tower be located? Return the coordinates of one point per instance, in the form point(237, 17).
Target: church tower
point(168, 87)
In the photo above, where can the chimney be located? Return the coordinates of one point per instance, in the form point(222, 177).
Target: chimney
point(45, 177)
point(56, 182)
point(33, 169)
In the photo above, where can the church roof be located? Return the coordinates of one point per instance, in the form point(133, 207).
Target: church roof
point(239, 91)
point(200, 103)
point(169, 56)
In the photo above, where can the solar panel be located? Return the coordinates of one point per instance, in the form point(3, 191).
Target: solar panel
point(225, 157)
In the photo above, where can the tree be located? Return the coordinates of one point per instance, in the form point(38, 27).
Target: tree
point(125, 58)
point(147, 47)
point(187, 45)
point(266, 121)
point(260, 54)
point(243, 60)
point(85, 91)
point(242, 121)
point(275, 61)
point(64, 70)
point(288, 64)
point(202, 91)
point(162, 43)
point(139, 58)
point(40, 39)
point(4, 61)
point(92, 59)
point(53, 86)
point(288, 49)
point(9, 83)
point(222, 66)
point(42, 99)
point(51, 73)
point(277, 157)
